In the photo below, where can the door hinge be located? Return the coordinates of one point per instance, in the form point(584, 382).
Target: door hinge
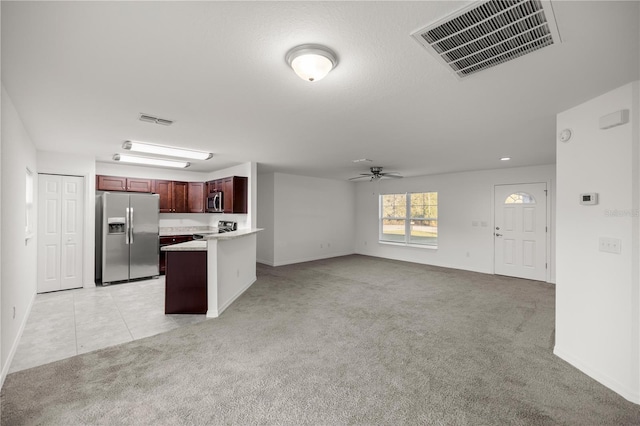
point(545, 266)
point(546, 229)
point(545, 192)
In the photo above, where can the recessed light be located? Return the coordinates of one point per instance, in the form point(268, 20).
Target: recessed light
point(505, 158)
point(134, 159)
point(169, 151)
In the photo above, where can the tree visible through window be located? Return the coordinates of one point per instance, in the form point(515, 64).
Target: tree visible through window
point(410, 218)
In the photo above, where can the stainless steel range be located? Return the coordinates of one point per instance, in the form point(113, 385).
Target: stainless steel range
point(223, 226)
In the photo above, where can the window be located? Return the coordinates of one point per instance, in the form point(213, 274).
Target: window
point(28, 211)
point(520, 198)
point(410, 218)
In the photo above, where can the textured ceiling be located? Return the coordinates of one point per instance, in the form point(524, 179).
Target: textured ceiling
point(79, 74)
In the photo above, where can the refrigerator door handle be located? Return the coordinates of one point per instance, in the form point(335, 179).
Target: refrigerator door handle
point(131, 225)
point(127, 226)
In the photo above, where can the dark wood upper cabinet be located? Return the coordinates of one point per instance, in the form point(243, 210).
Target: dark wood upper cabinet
point(117, 183)
point(139, 185)
point(234, 193)
point(173, 195)
point(180, 197)
point(183, 197)
point(234, 190)
point(197, 193)
point(111, 183)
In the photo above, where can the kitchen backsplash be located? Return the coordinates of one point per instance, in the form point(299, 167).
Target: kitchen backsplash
point(185, 220)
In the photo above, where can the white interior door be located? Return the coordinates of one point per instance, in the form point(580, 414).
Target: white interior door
point(60, 232)
point(72, 232)
point(520, 232)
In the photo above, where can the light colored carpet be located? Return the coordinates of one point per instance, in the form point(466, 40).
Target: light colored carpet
point(350, 340)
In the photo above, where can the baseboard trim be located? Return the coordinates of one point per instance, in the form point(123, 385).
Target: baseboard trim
point(16, 342)
point(311, 258)
point(265, 262)
point(608, 381)
point(235, 296)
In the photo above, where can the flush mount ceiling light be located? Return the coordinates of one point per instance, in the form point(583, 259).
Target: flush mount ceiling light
point(166, 150)
point(311, 62)
point(505, 158)
point(147, 161)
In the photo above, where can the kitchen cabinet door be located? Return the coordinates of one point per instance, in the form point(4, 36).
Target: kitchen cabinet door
point(165, 190)
point(235, 194)
point(180, 197)
point(111, 183)
point(197, 197)
point(167, 241)
point(139, 185)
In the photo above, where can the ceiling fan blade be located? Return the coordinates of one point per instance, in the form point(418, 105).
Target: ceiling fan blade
point(360, 177)
point(391, 175)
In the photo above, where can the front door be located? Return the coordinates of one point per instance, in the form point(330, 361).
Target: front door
point(520, 232)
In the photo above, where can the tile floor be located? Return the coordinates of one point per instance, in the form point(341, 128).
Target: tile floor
point(67, 323)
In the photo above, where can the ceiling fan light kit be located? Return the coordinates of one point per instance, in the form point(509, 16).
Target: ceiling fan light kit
point(377, 173)
point(311, 62)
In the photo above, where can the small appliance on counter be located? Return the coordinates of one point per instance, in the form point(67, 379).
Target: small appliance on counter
point(223, 226)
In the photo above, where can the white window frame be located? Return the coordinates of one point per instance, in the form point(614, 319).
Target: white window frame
point(407, 222)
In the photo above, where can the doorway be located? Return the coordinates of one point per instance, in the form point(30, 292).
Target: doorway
point(520, 230)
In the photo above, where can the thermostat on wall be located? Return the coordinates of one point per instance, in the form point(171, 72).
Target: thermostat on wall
point(589, 199)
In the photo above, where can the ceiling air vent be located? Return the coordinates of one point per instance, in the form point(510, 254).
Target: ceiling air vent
point(484, 35)
point(151, 119)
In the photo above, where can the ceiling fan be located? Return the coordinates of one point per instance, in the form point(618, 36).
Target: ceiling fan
point(376, 173)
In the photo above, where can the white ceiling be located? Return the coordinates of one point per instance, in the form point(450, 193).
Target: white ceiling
point(79, 74)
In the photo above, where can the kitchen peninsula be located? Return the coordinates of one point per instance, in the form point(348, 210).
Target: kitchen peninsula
point(230, 267)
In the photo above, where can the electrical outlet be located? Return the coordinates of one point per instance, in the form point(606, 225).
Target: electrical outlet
point(610, 245)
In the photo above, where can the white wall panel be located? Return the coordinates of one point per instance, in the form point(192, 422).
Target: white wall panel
point(597, 303)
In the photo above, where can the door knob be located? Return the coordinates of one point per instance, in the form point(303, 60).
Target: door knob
point(497, 228)
point(498, 235)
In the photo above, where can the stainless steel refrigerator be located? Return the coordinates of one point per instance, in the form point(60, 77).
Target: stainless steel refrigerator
point(126, 236)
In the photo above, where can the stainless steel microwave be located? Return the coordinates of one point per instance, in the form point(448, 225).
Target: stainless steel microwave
point(215, 202)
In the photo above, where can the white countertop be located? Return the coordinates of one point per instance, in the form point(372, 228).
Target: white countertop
point(232, 234)
point(199, 245)
point(195, 245)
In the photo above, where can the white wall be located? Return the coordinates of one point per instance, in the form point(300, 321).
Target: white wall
point(76, 165)
point(463, 198)
point(266, 196)
point(597, 296)
point(18, 256)
point(313, 219)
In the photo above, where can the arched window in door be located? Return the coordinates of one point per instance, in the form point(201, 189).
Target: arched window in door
point(520, 198)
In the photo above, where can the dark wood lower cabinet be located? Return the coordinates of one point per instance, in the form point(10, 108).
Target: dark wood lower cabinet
point(167, 241)
point(186, 282)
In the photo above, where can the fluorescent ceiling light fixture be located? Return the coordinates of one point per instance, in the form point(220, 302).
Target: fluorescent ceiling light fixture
point(505, 158)
point(147, 161)
point(311, 62)
point(362, 160)
point(169, 151)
